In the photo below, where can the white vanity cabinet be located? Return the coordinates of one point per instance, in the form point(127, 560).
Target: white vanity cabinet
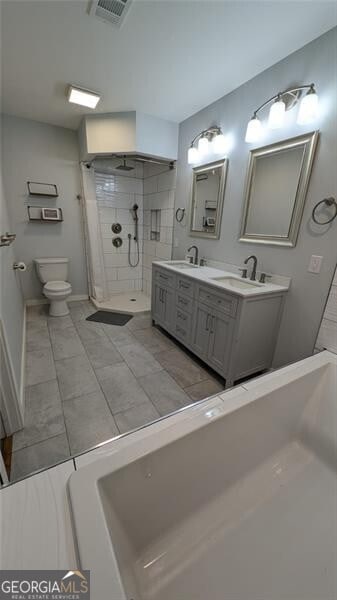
point(232, 333)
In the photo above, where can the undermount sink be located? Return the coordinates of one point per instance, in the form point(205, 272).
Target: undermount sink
point(182, 265)
point(236, 282)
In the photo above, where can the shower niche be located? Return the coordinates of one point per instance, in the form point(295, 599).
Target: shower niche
point(155, 225)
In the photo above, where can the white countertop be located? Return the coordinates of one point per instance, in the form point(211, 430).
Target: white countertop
point(207, 275)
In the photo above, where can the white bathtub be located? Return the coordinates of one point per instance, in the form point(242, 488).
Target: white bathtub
point(236, 500)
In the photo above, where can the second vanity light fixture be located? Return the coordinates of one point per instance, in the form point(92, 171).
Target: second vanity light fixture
point(279, 104)
point(211, 139)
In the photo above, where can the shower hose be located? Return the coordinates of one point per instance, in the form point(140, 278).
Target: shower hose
point(135, 264)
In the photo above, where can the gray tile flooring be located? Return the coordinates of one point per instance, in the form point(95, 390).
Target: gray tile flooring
point(87, 382)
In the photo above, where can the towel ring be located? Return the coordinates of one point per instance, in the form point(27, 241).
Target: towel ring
point(328, 202)
point(180, 213)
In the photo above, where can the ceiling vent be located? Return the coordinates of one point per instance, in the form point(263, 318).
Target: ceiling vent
point(111, 11)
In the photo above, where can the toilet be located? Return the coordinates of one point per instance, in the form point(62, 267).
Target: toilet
point(53, 273)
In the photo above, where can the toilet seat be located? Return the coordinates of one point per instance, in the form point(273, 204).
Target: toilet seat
point(57, 287)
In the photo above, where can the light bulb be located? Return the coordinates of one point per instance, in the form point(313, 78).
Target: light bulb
point(276, 114)
point(254, 130)
point(219, 144)
point(308, 108)
point(192, 155)
point(203, 145)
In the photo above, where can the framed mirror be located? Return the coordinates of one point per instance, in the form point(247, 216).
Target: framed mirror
point(208, 188)
point(276, 186)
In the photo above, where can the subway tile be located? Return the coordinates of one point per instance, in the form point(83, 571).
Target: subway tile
point(129, 272)
point(116, 287)
point(163, 251)
point(167, 217)
point(167, 180)
point(150, 185)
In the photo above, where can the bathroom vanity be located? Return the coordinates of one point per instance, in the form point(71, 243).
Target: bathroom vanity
point(229, 322)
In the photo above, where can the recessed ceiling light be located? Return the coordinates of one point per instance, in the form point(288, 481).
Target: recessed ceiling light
point(83, 97)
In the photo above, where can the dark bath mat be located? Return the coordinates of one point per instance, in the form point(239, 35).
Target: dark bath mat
point(110, 318)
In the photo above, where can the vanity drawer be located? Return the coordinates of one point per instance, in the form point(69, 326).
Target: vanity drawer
point(223, 302)
point(183, 324)
point(164, 278)
point(185, 285)
point(184, 302)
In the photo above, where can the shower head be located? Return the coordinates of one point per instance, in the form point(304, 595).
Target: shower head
point(124, 166)
point(134, 212)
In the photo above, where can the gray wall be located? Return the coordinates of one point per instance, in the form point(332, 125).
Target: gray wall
point(11, 299)
point(39, 152)
point(316, 62)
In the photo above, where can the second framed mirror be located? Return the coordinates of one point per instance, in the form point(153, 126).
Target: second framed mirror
point(208, 188)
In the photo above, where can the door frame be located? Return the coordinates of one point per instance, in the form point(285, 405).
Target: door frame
point(9, 394)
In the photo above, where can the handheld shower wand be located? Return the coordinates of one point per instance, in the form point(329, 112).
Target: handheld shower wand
point(134, 212)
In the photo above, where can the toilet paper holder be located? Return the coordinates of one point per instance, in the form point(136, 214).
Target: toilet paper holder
point(19, 266)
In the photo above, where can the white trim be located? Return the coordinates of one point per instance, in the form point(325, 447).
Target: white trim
point(72, 298)
point(23, 365)
point(11, 407)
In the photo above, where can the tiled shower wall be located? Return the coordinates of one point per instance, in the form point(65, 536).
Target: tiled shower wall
point(159, 192)
point(116, 193)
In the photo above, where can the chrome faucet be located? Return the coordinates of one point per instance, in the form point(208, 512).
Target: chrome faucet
point(253, 273)
point(196, 256)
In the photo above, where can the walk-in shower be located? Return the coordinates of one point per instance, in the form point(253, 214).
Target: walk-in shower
point(119, 195)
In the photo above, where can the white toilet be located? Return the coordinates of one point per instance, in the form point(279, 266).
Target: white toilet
point(53, 273)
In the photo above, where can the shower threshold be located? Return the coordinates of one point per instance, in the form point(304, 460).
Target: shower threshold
point(127, 302)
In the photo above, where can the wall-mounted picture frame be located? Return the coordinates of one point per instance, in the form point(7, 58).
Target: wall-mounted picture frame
point(36, 188)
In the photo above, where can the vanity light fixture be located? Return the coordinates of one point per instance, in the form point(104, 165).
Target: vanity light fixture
point(211, 139)
point(280, 103)
point(83, 97)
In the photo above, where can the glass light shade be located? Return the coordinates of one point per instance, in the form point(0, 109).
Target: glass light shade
point(203, 146)
point(192, 155)
point(276, 114)
point(254, 130)
point(308, 108)
point(219, 144)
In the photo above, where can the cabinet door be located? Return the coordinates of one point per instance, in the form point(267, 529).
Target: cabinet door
point(158, 306)
point(201, 330)
point(168, 297)
point(221, 330)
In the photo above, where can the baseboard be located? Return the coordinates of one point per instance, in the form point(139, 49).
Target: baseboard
point(23, 365)
point(73, 298)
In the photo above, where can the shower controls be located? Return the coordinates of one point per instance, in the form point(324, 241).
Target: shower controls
point(117, 242)
point(116, 227)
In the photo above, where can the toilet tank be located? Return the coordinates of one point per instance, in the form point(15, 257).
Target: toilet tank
point(52, 269)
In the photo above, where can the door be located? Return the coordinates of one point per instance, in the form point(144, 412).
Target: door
point(158, 307)
point(168, 300)
point(201, 330)
point(221, 330)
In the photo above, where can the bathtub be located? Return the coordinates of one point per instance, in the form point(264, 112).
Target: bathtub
point(234, 499)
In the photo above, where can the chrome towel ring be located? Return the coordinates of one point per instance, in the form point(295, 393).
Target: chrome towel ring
point(328, 202)
point(180, 213)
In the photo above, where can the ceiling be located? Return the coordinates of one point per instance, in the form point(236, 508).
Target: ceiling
point(170, 58)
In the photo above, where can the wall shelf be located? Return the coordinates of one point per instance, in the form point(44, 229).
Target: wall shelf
point(36, 188)
point(34, 215)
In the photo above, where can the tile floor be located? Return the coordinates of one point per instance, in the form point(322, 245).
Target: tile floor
point(87, 382)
